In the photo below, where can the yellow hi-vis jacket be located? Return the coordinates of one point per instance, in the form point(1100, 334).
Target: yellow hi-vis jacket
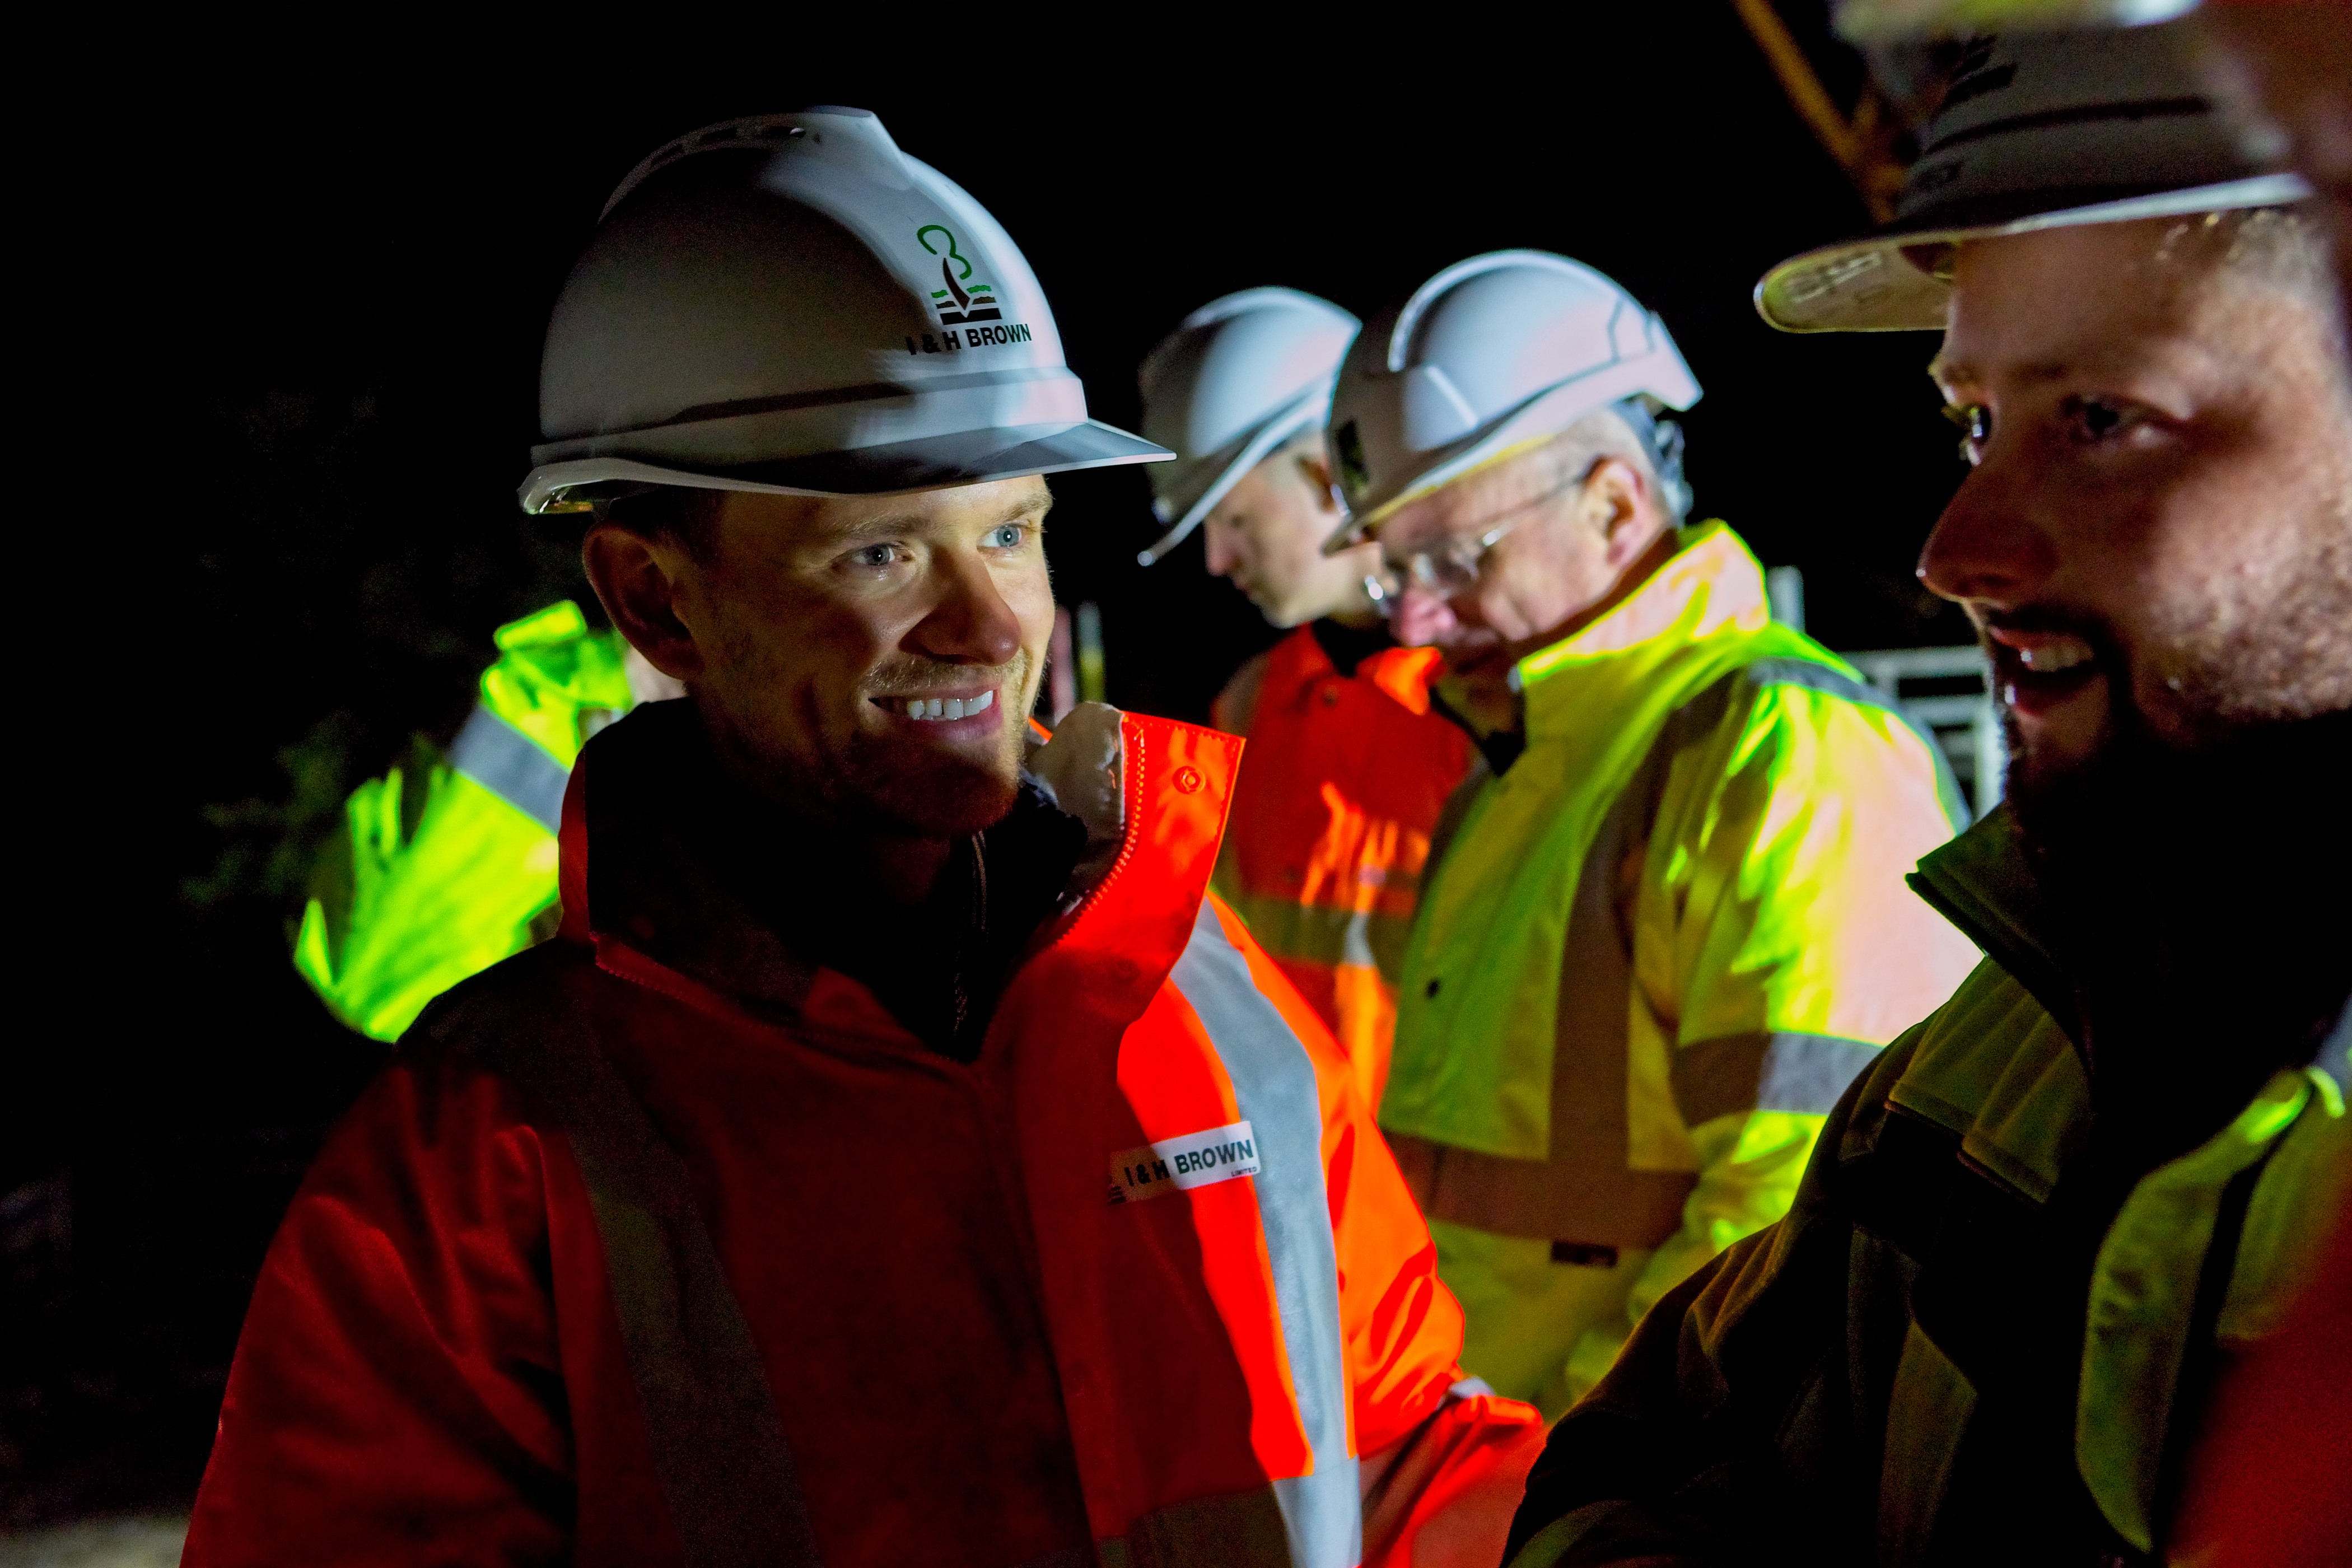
point(1658, 947)
point(447, 864)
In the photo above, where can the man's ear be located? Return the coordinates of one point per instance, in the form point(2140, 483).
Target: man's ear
point(1316, 475)
point(639, 582)
point(1618, 506)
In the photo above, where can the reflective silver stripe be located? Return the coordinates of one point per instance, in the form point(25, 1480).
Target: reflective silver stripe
point(1321, 933)
point(1273, 1084)
point(1766, 1072)
point(716, 1442)
point(512, 766)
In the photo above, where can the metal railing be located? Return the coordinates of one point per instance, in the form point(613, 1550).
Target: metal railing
point(1964, 722)
point(1958, 712)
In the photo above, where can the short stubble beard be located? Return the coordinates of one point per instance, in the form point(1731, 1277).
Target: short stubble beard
point(930, 793)
point(870, 783)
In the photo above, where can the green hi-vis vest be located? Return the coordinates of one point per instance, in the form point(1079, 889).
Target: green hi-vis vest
point(1881, 1354)
point(447, 866)
point(1996, 1069)
point(1665, 939)
point(2015, 1098)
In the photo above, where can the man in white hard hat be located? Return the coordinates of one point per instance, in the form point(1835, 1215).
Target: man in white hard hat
point(1672, 926)
point(899, 1157)
point(2044, 1234)
point(1348, 767)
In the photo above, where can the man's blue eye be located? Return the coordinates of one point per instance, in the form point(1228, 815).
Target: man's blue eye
point(1007, 537)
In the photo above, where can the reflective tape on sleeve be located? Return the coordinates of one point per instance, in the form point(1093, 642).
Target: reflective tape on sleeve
point(1766, 1072)
point(1323, 933)
point(1273, 1084)
point(512, 766)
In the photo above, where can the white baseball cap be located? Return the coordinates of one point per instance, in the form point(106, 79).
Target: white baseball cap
point(2036, 131)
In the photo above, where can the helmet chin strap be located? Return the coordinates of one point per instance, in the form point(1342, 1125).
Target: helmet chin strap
point(1661, 443)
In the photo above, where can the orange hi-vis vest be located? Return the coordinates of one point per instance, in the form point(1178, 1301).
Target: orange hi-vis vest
point(1331, 821)
point(661, 1245)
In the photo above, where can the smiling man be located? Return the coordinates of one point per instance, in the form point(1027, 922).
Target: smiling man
point(899, 1156)
point(2051, 1220)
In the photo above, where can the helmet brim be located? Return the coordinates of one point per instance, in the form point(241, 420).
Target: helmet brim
point(927, 463)
point(1225, 470)
point(1867, 285)
point(1659, 374)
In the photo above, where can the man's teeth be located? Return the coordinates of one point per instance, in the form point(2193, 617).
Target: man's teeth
point(929, 708)
point(2049, 658)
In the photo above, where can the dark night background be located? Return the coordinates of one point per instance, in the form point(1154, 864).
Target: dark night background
point(321, 257)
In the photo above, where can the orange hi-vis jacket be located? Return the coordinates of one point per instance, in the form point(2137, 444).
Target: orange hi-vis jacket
point(658, 1245)
point(1347, 773)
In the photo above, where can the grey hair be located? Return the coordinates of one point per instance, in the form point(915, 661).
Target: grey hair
point(1631, 433)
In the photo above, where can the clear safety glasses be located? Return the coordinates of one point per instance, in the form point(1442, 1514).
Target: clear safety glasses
point(1450, 567)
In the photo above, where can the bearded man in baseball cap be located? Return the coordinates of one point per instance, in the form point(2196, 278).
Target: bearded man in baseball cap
point(2040, 1229)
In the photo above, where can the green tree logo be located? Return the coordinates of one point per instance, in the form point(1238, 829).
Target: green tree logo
point(955, 303)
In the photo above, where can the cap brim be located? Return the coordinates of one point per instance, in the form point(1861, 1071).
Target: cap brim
point(932, 462)
point(1866, 285)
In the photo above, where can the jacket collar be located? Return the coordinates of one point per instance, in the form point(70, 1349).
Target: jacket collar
point(633, 874)
point(638, 883)
point(1983, 883)
point(1710, 587)
point(1344, 647)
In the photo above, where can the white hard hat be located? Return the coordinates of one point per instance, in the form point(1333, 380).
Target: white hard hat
point(1492, 354)
point(790, 304)
point(2037, 130)
point(1236, 379)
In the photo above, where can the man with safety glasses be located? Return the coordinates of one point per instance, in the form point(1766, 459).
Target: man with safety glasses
point(1671, 926)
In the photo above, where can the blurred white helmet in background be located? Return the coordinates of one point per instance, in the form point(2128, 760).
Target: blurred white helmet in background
point(1236, 379)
